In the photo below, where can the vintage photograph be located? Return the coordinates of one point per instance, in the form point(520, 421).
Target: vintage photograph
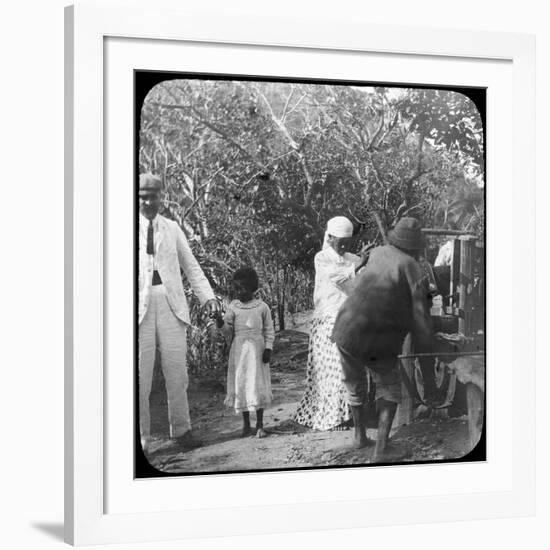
point(309, 276)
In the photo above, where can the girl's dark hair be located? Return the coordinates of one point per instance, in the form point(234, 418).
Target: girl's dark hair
point(248, 277)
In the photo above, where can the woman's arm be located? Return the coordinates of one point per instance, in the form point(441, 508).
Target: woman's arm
point(364, 256)
point(338, 273)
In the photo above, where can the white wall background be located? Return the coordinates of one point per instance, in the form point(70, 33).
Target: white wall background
point(31, 304)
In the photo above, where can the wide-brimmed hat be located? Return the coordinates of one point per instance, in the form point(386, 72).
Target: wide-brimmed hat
point(407, 234)
point(149, 183)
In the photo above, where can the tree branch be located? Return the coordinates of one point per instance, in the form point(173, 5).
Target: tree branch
point(377, 176)
point(295, 106)
point(418, 172)
point(201, 191)
point(381, 226)
point(389, 129)
point(283, 129)
point(256, 174)
point(283, 116)
point(376, 135)
point(212, 127)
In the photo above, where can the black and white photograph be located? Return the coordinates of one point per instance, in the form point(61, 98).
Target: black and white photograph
point(277, 275)
point(310, 274)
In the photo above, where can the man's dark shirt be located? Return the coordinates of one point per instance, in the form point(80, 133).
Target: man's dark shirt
point(389, 300)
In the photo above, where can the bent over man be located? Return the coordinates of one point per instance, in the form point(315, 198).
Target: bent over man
point(163, 310)
point(390, 299)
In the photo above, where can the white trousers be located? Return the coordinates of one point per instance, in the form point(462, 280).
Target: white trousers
point(161, 329)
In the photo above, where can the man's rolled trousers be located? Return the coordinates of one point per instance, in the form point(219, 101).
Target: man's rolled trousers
point(391, 298)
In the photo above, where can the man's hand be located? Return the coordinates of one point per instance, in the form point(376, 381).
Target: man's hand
point(364, 254)
point(219, 319)
point(266, 357)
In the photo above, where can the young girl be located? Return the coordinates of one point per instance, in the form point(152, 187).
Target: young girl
point(248, 324)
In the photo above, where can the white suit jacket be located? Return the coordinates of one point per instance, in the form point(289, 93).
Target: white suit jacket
point(172, 251)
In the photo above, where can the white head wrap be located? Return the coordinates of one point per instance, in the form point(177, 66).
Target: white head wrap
point(338, 226)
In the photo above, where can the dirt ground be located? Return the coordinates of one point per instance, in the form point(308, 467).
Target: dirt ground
point(287, 445)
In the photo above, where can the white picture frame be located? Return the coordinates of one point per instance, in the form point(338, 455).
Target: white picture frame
point(103, 503)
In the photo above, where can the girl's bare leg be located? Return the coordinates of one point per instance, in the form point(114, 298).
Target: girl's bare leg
point(260, 432)
point(246, 424)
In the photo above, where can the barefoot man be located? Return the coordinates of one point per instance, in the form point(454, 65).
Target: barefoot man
point(390, 299)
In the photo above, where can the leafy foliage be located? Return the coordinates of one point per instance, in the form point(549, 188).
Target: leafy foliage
point(253, 170)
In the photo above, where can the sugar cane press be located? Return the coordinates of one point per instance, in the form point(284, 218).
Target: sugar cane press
point(451, 377)
point(457, 281)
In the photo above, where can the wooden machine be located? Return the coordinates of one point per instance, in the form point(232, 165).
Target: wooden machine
point(457, 284)
point(461, 284)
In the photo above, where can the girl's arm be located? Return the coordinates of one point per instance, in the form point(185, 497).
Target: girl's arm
point(268, 333)
point(227, 324)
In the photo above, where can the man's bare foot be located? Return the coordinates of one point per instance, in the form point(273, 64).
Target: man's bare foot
point(359, 433)
point(360, 442)
point(246, 431)
point(261, 433)
point(392, 453)
point(186, 441)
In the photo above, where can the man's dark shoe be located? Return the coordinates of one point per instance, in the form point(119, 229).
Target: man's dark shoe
point(186, 442)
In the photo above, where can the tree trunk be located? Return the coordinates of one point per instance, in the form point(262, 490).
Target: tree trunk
point(281, 315)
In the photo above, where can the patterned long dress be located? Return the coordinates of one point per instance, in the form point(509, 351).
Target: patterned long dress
point(324, 403)
point(250, 327)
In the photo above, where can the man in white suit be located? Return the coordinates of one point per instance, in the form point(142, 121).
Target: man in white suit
point(163, 310)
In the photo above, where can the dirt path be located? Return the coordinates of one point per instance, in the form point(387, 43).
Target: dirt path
point(287, 445)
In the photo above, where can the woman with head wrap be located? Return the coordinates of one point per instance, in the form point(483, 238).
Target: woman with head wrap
point(323, 405)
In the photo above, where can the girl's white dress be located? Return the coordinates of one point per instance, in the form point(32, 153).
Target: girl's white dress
point(250, 327)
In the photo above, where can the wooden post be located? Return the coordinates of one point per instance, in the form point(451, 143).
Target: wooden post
point(465, 283)
point(405, 409)
point(455, 276)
